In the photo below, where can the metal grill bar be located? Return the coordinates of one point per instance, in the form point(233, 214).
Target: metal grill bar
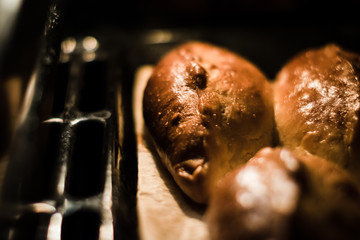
point(60, 182)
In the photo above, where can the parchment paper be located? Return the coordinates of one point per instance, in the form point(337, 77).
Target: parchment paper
point(164, 212)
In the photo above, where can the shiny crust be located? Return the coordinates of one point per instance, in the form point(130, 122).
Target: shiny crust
point(204, 104)
point(281, 195)
point(317, 102)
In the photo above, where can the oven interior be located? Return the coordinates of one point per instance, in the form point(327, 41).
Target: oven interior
point(69, 160)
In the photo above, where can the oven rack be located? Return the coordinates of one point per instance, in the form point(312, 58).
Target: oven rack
point(66, 154)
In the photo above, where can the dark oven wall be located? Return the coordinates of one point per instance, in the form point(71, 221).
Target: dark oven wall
point(288, 26)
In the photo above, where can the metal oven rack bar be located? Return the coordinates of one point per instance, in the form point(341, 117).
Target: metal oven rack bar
point(59, 179)
point(66, 155)
point(70, 175)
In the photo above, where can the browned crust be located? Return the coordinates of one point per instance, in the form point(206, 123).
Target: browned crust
point(317, 103)
point(202, 100)
point(280, 194)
